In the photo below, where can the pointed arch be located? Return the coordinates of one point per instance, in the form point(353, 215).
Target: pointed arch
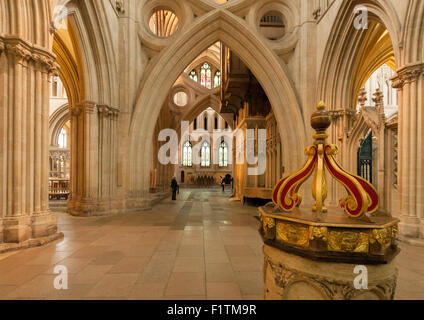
point(347, 64)
point(270, 71)
point(413, 34)
point(57, 120)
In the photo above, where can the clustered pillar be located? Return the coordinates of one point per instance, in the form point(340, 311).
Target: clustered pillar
point(410, 83)
point(94, 152)
point(24, 164)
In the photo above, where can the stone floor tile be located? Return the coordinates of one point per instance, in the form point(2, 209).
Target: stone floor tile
point(114, 285)
point(186, 283)
point(223, 291)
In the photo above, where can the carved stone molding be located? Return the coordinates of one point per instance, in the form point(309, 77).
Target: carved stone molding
point(89, 107)
point(106, 111)
point(75, 111)
point(119, 5)
point(407, 74)
point(22, 50)
point(335, 114)
point(279, 279)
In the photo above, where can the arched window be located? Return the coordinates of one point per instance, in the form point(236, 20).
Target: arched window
point(223, 154)
point(205, 122)
point(205, 155)
point(216, 123)
point(193, 75)
point(217, 79)
point(187, 154)
point(206, 76)
point(62, 139)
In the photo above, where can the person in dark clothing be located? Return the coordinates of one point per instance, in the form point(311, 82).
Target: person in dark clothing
point(174, 187)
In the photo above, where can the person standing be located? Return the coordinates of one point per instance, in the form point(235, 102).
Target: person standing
point(174, 187)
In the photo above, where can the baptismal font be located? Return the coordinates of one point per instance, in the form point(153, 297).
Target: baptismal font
point(327, 253)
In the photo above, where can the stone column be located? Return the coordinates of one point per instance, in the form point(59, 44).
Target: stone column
point(24, 160)
point(85, 173)
point(410, 83)
point(381, 166)
point(94, 160)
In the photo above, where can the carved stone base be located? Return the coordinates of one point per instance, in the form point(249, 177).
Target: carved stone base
point(291, 277)
point(44, 225)
point(92, 208)
point(16, 229)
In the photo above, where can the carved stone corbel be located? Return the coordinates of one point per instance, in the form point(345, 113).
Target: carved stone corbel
point(119, 5)
point(76, 110)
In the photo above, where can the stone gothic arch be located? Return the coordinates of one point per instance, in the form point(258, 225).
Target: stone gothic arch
point(88, 68)
point(218, 25)
point(349, 62)
point(57, 120)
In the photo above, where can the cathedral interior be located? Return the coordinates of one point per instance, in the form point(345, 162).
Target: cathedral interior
point(104, 102)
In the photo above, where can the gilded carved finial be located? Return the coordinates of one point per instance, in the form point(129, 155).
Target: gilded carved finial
point(321, 121)
point(362, 198)
point(321, 105)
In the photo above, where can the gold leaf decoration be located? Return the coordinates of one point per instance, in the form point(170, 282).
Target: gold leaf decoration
point(348, 241)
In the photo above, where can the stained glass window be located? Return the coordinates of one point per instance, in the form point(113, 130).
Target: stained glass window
point(223, 154)
point(193, 75)
point(217, 79)
point(205, 155)
point(187, 154)
point(206, 76)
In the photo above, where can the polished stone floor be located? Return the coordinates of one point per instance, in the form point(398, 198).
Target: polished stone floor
point(199, 247)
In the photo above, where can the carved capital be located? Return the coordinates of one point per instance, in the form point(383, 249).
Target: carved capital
point(22, 50)
point(119, 5)
point(76, 110)
point(407, 74)
point(335, 114)
point(106, 111)
point(18, 51)
point(89, 107)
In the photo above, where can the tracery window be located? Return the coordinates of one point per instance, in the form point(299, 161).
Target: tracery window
point(206, 76)
point(187, 154)
point(223, 154)
point(217, 79)
point(205, 155)
point(193, 75)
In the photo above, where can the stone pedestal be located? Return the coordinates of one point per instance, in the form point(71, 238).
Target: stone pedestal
point(291, 277)
point(315, 256)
